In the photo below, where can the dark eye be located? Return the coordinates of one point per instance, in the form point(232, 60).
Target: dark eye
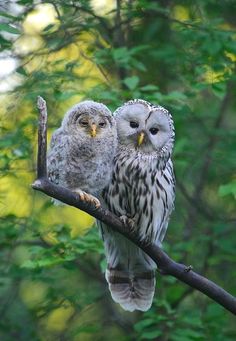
point(153, 131)
point(133, 124)
point(102, 124)
point(83, 123)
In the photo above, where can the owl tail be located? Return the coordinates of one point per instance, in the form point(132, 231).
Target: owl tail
point(133, 291)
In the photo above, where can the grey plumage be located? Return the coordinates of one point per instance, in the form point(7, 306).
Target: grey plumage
point(141, 189)
point(82, 150)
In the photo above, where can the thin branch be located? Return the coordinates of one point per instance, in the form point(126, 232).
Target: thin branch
point(165, 264)
point(97, 65)
point(102, 21)
point(42, 139)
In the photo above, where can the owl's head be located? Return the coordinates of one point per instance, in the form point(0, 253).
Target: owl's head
point(145, 127)
point(88, 119)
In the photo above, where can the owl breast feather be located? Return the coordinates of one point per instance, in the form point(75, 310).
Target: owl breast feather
point(80, 164)
point(142, 192)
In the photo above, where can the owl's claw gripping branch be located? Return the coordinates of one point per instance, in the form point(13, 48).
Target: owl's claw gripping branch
point(89, 198)
point(165, 264)
point(128, 222)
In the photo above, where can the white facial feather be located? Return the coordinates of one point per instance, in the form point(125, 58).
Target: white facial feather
point(158, 120)
point(146, 116)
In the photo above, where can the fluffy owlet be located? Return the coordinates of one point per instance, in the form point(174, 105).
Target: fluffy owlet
point(142, 191)
point(82, 150)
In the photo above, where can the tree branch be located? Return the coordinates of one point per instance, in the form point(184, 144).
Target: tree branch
point(165, 264)
point(42, 139)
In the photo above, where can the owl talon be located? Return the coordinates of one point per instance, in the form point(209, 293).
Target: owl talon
point(88, 198)
point(128, 221)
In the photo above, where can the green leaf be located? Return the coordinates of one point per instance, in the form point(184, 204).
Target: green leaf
point(149, 87)
point(139, 65)
point(48, 27)
point(6, 15)
point(176, 96)
point(21, 71)
point(8, 28)
point(120, 53)
point(228, 189)
point(131, 82)
point(143, 323)
point(151, 335)
point(219, 89)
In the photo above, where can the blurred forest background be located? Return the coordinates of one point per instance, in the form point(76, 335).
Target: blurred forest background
point(180, 54)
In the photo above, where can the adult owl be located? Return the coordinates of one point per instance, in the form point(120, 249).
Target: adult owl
point(82, 150)
point(142, 192)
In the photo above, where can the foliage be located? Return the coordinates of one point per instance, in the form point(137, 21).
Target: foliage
point(179, 54)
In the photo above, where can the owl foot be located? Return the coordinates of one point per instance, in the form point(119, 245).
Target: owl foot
point(88, 198)
point(128, 221)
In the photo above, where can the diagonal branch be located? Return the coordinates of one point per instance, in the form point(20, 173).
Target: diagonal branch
point(165, 264)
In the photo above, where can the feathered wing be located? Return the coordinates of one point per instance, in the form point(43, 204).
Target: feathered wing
point(56, 156)
point(57, 162)
point(141, 192)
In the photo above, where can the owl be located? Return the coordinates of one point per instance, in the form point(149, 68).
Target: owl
point(82, 150)
point(141, 192)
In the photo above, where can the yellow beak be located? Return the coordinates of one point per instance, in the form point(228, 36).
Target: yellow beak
point(93, 131)
point(140, 138)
